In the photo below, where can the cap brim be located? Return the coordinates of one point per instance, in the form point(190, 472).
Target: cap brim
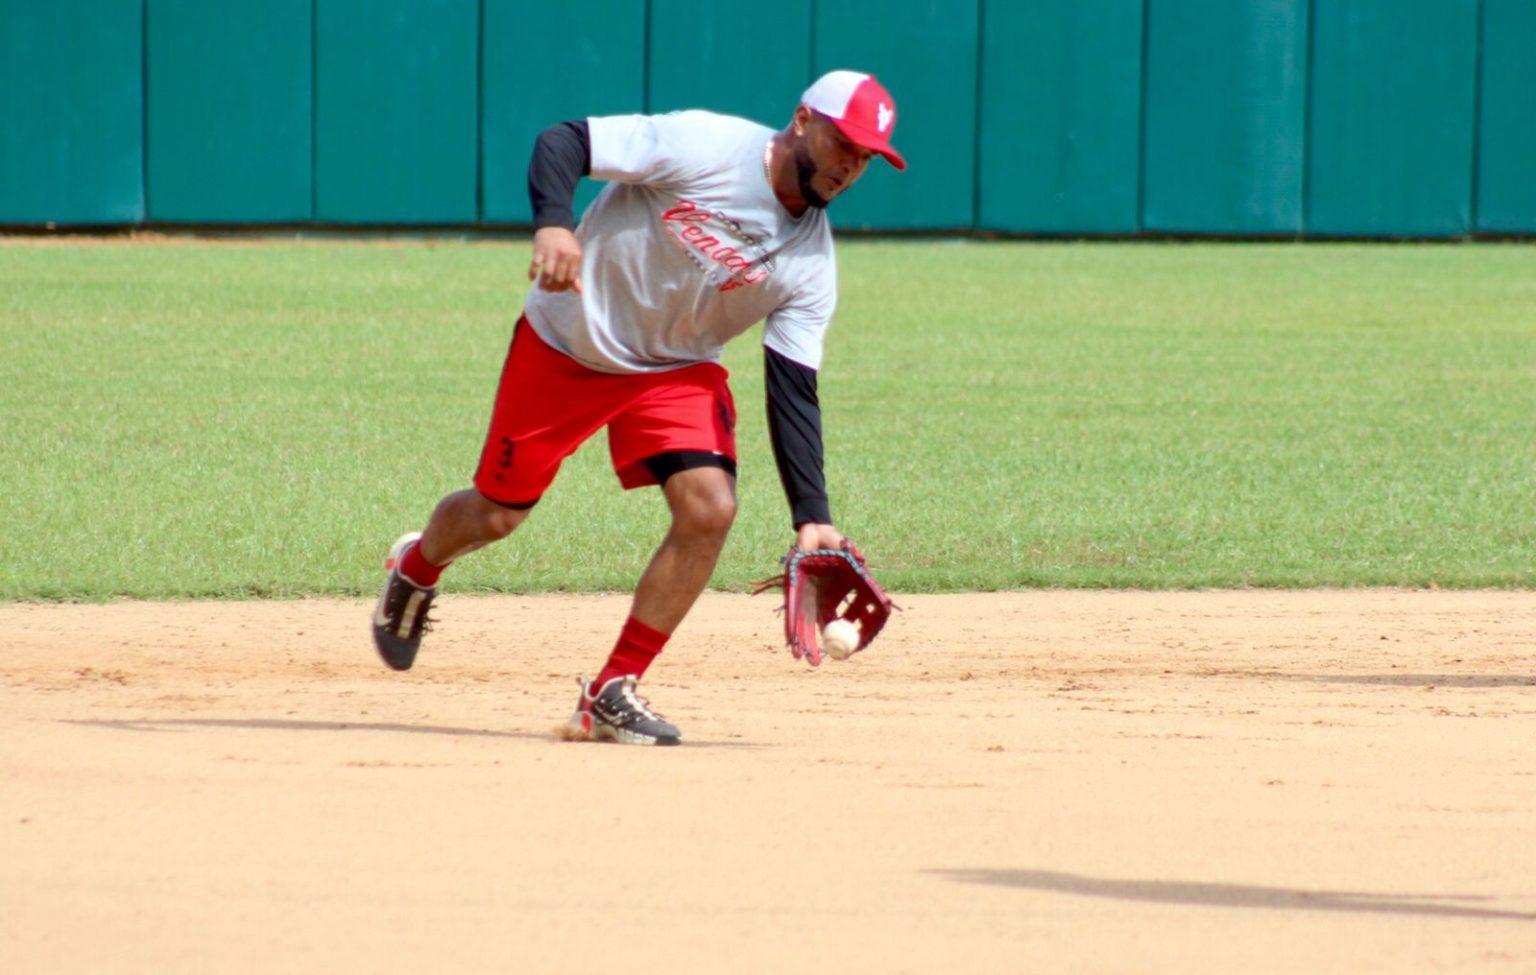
point(873, 141)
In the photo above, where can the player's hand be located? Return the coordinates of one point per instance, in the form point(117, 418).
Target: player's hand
point(812, 536)
point(556, 260)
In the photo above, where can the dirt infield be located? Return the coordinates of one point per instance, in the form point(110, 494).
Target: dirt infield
point(1053, 781)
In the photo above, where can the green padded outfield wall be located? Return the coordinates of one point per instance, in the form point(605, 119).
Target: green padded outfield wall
point(723, 58)
point(545, 63)
point(1412, 118)
point(1225, 147)
point(1506, 175)
point(396, 111)
point(1393, 91)
point(71, 111)
point(1060, 116)
point(924, 52)
point(229, 110)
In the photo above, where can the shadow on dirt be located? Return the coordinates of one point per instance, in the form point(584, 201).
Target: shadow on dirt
point(1392, 680)
point(1231, 895)
point(279, 724)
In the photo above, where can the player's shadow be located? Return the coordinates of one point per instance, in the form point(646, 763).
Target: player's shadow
point(1394, 680)
point(283, 724)
point(1232, 895)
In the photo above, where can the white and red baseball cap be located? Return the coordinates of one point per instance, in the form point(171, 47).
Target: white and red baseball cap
point(861, 109)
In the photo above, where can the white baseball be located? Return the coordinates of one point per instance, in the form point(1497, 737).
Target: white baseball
point(840, 638)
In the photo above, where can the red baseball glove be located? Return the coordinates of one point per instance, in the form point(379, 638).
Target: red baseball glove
point(824, 585)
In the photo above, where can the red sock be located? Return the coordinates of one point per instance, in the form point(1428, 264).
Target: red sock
point(417, 569)
point(638, 645)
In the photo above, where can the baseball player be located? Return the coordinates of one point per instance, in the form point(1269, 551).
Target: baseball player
point(708, 225)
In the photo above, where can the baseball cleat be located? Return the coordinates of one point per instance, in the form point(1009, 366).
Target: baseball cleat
point(617, 713)
point(400, 618)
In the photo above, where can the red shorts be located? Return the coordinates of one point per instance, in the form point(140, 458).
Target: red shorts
point(548, 404)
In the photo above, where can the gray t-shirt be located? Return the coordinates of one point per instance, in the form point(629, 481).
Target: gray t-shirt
point(686, 248)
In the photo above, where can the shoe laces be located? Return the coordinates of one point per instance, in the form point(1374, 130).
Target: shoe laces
point(424, 621)
point(637, 702)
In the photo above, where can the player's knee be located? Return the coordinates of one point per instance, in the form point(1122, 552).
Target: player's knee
point(707, 513)
point(500, 524)
point(498, 521)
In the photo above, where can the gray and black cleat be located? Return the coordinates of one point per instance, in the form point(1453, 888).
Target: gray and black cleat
point(400, 618)
point(617, 713)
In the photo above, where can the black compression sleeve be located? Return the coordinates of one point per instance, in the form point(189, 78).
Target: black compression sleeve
point(562, 155)
point(794, 427)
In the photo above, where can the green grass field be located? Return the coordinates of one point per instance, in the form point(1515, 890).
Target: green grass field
point(230, 419)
